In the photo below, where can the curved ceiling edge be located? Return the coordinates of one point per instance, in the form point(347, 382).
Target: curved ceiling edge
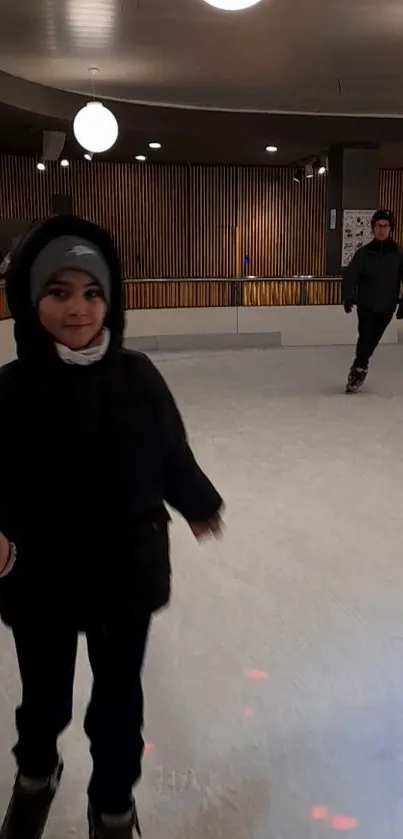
point(36, 98)
point(177, 106)
point(61, 104)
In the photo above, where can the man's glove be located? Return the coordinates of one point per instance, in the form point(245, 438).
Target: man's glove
point(399, 313)
point(348, 306)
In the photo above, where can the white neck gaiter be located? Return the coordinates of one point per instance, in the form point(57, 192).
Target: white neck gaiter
point(85, 357)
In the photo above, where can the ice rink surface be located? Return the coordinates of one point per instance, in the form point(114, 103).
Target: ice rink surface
point(274, 684)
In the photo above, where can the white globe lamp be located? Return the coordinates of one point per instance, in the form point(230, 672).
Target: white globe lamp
point(232, 5)
point(95, 128)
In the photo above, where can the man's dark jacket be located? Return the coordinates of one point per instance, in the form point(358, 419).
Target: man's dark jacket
point(374, 277)
point(89, 456)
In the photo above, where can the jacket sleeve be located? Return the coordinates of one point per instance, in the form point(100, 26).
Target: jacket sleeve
point(351, 277)
point(5, 523)
point(401, 275)
point(187, 488)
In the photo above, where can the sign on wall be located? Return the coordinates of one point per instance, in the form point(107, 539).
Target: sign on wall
point(357, 232)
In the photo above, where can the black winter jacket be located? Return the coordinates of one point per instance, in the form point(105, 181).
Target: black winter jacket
point(374, 277)
point(89, 456)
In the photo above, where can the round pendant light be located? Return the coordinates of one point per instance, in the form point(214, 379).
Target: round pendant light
point(95, 128)
point(232, 5)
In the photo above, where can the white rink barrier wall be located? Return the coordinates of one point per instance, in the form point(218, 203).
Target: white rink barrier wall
point(231, 328)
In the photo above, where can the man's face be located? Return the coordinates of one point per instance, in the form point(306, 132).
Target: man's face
point(381, 230)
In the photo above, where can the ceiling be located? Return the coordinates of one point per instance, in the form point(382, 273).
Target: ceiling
point(281, 55)
point(211, 86)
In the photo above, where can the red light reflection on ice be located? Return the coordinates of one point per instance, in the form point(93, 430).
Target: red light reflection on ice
point(320, 814)
point(257, 675)
point(343, 823)
point(149, 748)
point(249, 712)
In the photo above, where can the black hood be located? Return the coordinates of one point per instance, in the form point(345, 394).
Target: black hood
point(34, 344)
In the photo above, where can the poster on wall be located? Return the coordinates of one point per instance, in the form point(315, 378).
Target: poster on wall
point(357, 232)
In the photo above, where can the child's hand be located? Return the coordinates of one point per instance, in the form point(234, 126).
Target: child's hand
point(4, 552)
point(206, 529)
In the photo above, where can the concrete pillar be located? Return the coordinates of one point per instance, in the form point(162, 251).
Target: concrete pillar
point(353, 184)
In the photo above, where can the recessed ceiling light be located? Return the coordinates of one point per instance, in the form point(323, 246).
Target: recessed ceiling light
point(232, 5)
point(64, 162)
point(271, 149)
point(155, 145)
point(141, 158)
point(88, 155)
point(41, 166)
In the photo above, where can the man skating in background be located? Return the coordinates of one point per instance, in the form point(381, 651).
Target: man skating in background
point(373, 281)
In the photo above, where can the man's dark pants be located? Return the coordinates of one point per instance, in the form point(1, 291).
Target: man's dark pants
point(114, 717)
point(371, 327)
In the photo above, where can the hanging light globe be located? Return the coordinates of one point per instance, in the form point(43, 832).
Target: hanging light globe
point(95, 128)
point(232, 5)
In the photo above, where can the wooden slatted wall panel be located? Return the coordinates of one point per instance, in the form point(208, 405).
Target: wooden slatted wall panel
point(282, 224)
point(184, 221)
point(272, 293)
point(322, 292)
point(391, 196)
point(213, 221)
point(167, 294)
point(146, 209)
point(205, 293)
point(177, 294)
point(26, 193)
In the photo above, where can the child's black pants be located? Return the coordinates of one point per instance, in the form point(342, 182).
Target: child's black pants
point(114, 717)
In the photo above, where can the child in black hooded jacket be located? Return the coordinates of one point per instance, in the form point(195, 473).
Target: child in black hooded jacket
point(94, 446)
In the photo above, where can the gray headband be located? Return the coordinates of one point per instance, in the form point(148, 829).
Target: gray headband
point(69, 252)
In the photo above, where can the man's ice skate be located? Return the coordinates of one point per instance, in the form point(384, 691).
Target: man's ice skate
point(29, 806)
point(113, 827)
point(356, 379)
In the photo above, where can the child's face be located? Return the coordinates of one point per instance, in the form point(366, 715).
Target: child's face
point(73, 309)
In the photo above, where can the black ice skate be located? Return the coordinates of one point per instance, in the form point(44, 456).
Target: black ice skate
point(113, 827)
point(356, 379)
point(29, 807)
